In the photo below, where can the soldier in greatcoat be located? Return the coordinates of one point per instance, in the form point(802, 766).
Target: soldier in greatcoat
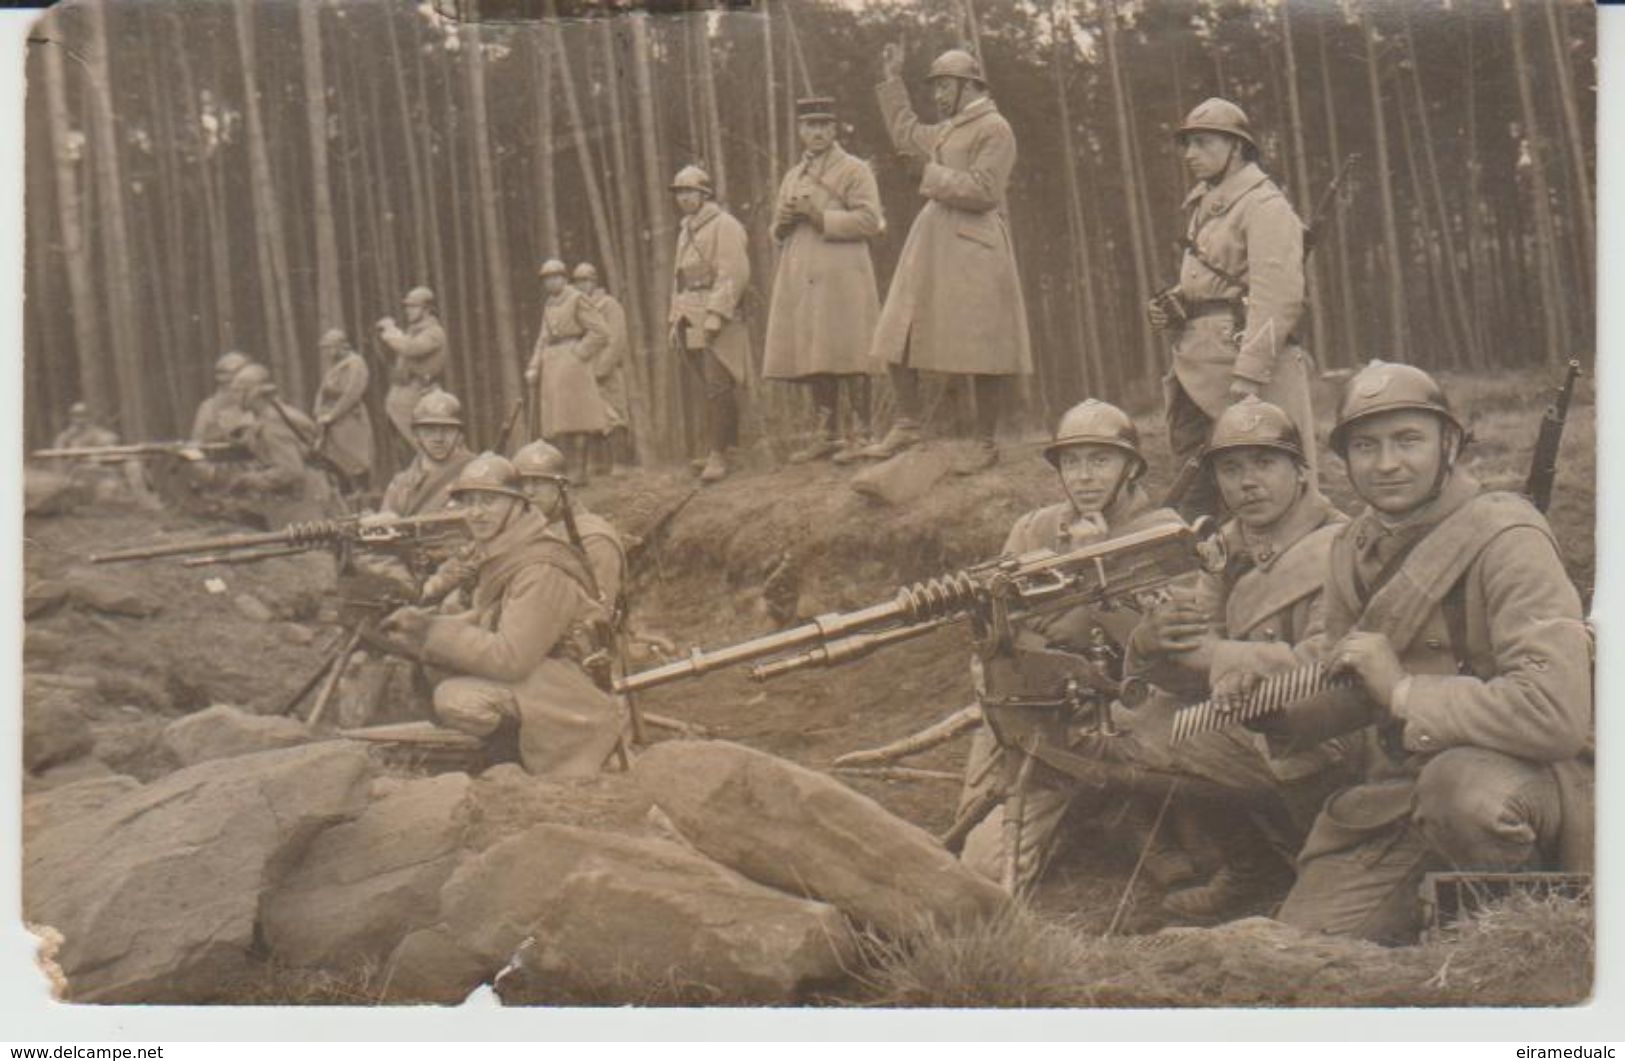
point(1451, 607)
point(344, 427)
point(420, 357)
point(955, 302)
point(711, 273)
point(277, 437)
point(821, 321)
point(437, 433)
point(609, 370)
point(220, 412)
point(1234, 316)
point(515, 655)
point(572, 335)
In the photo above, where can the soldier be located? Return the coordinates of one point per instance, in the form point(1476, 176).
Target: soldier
point(344, 428)
point(955, 302)
point(609, 370)
point(821, 321)
point(1096, 454)
point(1267, 603)
point(516, 656)
point(420, 357)
point(425, 484)
point(711, 273)
point(101, 479)
point(572, 335)
point(219, 414)
point(1451, 606)
point(82, 431)
point(278, 437)
point(545, 480)
point(1234, 314)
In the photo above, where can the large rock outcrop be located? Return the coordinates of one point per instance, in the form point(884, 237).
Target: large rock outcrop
point(54, 727)
point(157, 894)
point(363, 885)
point(808, 834)
point(222, 731)
point(601, 917)
point(47, 809)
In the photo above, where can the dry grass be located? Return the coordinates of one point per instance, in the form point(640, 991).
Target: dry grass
point(1522, 950)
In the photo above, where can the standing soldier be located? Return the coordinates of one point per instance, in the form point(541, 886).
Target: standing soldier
point(711, 273)
point(1234, 314)
point(572, 334)
point(609, 369)
point(343, 426)
point(821, 321)
point(220, 412)
point(955, 302)
point(420, 357)
point(425, 484)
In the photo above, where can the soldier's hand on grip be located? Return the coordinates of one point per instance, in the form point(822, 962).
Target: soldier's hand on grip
point(1172, 627)
point(1158, 317)
point(1372, 657)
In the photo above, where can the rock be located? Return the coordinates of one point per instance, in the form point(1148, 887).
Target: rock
point(252, 608)
point(618, 919)
point(904, 477)
point(158, 893)
point(84, 768)
point(51, 807)
point(43, 596)
point(137, 690)
point(803, 832)
point(364, 885)
point(54, 728)
point(43, 647)
point(47, 493)
point(296, 633)
point(223, 731)
point(101, 592)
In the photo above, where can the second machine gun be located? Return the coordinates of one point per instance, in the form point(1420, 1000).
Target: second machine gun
point(1035, 697)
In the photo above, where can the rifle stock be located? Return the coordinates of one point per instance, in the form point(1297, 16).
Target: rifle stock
point(1543, 463)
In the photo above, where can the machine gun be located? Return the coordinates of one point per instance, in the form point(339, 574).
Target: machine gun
point(401, 533)
point(1543, 465)
point(187, 451)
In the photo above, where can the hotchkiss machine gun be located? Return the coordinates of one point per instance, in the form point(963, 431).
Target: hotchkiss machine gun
point(1037, 700)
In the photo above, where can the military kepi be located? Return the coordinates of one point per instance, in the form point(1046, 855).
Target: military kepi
point(815, 108)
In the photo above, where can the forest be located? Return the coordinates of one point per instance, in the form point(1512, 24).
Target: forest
point(207, 176)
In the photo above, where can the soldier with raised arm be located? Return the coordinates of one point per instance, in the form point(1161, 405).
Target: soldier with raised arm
point(955, 302)
point(419, 352)
point(821, 321)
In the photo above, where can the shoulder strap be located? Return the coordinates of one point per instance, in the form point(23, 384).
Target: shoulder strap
point(1298, 573)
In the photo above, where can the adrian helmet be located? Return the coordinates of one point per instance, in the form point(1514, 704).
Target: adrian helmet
point(418, 296)
point(552, 267)
point(1253, 423)
point(1098, 423)
point(489, 473)
point(231, 362)
point(957, 62)
point(438, 407)
point(1217, 115)
point(540, 460)
point(585, 271)
point(692, 178)
point(1385, 387)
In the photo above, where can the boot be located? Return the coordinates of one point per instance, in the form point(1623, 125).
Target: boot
point(817, 449)
point(1228, 892)
point(985, 456)
point(716, 468)
point(851, 450)
point(903, 435)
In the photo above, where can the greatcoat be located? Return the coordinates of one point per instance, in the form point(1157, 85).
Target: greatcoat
point(218, 416)
point(1243, 319)
point(572, 335)
point(710, 274)
point(955, 301)
point(420, 362)
point(825, 303)
point(340, 396)
point(522, 633)
point(606, 555)
point(609, 365)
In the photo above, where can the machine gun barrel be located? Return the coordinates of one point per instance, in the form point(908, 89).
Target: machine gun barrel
point(1097, 574)
point(305, 535)
point(193, 451)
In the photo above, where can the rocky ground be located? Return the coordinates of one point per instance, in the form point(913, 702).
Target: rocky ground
point(190, 843)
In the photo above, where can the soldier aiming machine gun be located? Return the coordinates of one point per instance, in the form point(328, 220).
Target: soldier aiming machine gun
point(410, 535)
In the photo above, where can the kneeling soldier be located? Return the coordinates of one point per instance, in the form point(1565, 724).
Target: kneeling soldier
point(1451, 606)
point(516, 656)
point(544, 480)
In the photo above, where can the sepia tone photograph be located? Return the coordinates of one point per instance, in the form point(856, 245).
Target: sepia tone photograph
point(815, 503)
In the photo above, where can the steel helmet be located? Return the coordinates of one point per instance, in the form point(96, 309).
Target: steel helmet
point(78, 409)
point(1253, 423)
point(957, 62)
point(552, 267)
point(418, 296)
point(253, 379)
point(585, 271)
point(540, 460)
point(438, 407)
point(334, 337)
point(489, 473)
point(1217, 115)
point(232, 361)
point(692, 178)
point(1097, 423)
point(1385, 387)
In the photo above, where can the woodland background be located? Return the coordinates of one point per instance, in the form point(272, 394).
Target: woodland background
point(204, 175)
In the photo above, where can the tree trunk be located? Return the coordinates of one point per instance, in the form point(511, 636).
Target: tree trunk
point(1150, 365)
point(1348, 316)
point(547, 235)
point(1398, 333)
point(329, 309)
point(1554, 310)
point(1085, 323)
point(1575, 137)
point(1304, 192)
point(497, 273)
point(630, 293)
point(712, 118)
point(661, 234)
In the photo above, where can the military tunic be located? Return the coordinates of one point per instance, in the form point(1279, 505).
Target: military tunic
point(825, 301)
point(218, 416)
point(605, 553)
point(1484, 759)
point(424, 486)
point(340, 398)
point(609, 365)
point(572, 335)
point(955, 301)
point(710, 274)
point(420, 362)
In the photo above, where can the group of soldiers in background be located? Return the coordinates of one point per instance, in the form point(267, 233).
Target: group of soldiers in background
point(1448, 605)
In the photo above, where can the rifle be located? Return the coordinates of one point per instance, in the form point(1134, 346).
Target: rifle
point(1311, 231)
point(311, 450)
point(365, 532)
point(610, 655)
point(506, 435)
point(1543, 465)
point(188, 451)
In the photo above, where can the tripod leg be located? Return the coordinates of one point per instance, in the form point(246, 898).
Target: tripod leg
point(331, 686)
